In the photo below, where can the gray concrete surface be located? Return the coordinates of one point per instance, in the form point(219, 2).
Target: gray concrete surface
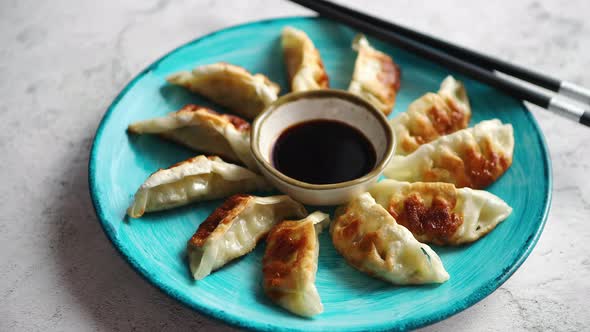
point(61, 64)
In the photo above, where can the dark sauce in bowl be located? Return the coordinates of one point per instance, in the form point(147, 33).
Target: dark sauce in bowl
point(323, 152)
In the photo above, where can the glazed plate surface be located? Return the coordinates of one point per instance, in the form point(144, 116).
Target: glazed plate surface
point(155, 244)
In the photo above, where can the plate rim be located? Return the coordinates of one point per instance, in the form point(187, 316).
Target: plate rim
point(224, 317)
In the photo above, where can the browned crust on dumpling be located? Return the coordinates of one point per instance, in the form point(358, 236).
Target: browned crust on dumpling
point(231, 86)
point(322, 77)
point(294, 61)
point(390, 75)
point(293, 67)
point(356, 247)
point(217, 118)
point(207, 114)
point(446, 121)
point(427, 211)
point(222, 215)
point(442, 118)
point(476, 166)
point(483, 166)
point(382, 88)
point(388, 78)
point(285, 256)
point(211, 121)
point(459, 118)
point(239, 123)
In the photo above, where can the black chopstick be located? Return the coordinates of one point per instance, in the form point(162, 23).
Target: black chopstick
point(564, 88)
point(474, 57)
point(482, 74)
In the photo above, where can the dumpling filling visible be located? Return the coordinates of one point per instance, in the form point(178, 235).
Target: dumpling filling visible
point(196, 179)
point(230, 86)
point(234, 229)
point(370, 240)
point(203, 130)
point(473, 157)
point(438, 212)
point(290, 264)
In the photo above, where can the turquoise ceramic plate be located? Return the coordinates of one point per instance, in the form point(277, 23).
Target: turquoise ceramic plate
point(155, 245)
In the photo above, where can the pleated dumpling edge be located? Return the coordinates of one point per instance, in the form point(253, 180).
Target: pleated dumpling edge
point(234, 229)
point(304, 64)
point(439, 213)
point(290, 264)
point(195, 179)
point(370, 240)
point(230, 86)
point(473, 157)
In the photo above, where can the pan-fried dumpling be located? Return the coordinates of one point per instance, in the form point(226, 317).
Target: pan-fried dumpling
point(204, 130)
point(234, 228)
point(196, 179)
point(376, 77)
point(455, 95)
point(431, 116)
point(473, 157)
point(230, 86)
point(304, 65)
point(439, 213)
point(369, 238)
point(290, 263)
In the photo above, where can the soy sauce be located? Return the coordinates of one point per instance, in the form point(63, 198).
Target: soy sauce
point(323, 152)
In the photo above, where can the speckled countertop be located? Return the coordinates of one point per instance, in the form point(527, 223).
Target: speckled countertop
point(61, 64)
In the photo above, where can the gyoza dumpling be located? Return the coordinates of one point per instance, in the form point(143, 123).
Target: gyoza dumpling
point(455, 95)
point(473, 157)
point(204, 130)
point(304, 65)
point(376, 77)
point(439, 213)
point(431, 116)
point(196, 179)
point(290, 263)
point(230, 86)
point(234, 228)
point(368, 237)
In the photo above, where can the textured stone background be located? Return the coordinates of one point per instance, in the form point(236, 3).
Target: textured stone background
point(61, 64)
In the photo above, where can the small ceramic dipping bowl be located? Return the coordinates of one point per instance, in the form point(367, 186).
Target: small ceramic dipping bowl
point(339, 105)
